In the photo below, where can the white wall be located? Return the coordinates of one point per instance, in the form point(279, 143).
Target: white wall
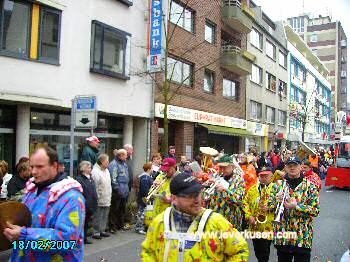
point(57, 85)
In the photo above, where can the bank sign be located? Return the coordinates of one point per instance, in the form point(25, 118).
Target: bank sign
point(155, 33)
point(190, 115)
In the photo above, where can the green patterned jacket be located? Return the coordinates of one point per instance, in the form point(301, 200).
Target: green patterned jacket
point(298, 220)
point(229, 203)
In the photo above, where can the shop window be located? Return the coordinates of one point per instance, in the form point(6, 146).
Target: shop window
point(29, 31)
point(110, 51)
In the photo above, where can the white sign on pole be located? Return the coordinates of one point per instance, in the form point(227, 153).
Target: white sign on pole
point(85, 112)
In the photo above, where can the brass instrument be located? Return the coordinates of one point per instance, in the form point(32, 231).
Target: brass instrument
point(280, 207)
point(261, 217)
point(304, 150)
point(238, 168)
point(207, 193)
point(154, 190)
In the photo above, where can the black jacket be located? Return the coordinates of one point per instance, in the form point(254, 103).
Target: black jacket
point(89, 192)
point(15, 185)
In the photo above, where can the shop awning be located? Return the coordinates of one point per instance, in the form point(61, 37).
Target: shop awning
point(222, 130)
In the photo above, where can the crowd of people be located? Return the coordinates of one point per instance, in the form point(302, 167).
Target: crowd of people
point(267, 192)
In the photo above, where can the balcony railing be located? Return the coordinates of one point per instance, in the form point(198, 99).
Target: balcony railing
point(235, 60)
point(238, 17)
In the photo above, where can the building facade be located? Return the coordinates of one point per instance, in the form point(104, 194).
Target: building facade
point(210, 61)
point(51, 51)
point(328, 41)
point(310, 97)
point(267, 85)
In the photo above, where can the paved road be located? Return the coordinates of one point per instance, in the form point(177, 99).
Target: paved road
point(332, 235)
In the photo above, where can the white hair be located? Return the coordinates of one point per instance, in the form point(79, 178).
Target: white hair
point(128, 146)
point(121, 152)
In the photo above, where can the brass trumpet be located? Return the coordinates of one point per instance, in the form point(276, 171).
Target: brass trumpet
point(154, 190)
point(280, 207)
point(211, 189)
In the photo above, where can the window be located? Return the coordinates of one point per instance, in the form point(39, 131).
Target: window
point(255, 110)
point(313, 38)
point(282, 58)
point(180, 72)
point(19, 34)
point(297, 24)
point(49, 35)
point(230, 89)
point(270, 82)
point(270, 50)
point(270, 115)
point(256, 39)
point(209, 32)
point(182, 17)
point(282, 118)
point(256, 75)
point(282, 88)
point(110, 51)
point(15, 27)
point(209, 81)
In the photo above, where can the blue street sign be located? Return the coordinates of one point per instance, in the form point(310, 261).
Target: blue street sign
point(86, 103)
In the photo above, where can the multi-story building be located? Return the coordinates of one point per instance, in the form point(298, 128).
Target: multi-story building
point(267, 87)
point(309, 94)
point(328, 41)
point(51, 51)
point(208, 51)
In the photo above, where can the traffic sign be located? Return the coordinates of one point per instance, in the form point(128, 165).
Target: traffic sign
point(85, 112)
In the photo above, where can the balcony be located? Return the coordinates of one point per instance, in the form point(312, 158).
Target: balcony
point(238, 17)
point(237, 61)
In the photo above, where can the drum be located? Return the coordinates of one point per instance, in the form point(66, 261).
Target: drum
point(148, 215)
point(15, 213)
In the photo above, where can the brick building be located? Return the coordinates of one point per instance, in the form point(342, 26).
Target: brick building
point(209, 109)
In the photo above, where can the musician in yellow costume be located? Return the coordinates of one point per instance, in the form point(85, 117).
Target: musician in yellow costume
point(163, 197)
point(257, 214)
point(187, 232)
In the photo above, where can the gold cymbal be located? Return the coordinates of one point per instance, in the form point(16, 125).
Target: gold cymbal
point(17, 214)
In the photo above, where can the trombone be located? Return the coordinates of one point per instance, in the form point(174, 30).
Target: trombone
point(154, 190)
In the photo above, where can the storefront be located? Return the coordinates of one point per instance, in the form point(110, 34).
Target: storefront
point(52, 128)
point(7, 135)
point(257, 137)
point(190, 129)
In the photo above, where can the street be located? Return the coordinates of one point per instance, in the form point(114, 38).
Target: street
point(331, 239)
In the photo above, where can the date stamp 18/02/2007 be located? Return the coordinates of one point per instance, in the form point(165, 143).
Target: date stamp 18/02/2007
point(44, 245)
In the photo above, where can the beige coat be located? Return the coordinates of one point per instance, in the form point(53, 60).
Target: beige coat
point(102, 180)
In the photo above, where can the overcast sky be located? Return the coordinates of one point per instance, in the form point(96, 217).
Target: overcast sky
point(338, 10)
